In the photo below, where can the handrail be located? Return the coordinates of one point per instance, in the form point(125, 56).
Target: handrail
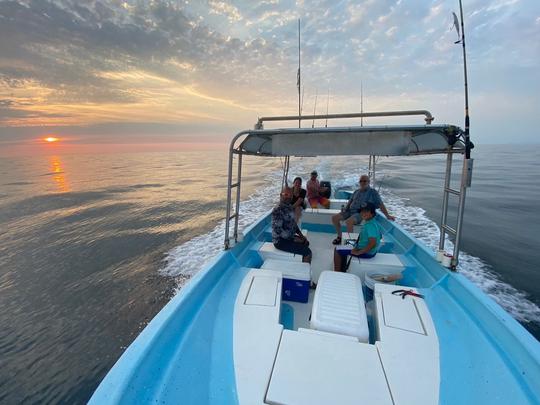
point(429, 118)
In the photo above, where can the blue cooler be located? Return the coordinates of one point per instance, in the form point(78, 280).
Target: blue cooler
point(296, 278)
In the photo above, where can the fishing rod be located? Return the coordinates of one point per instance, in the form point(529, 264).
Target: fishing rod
point(468, 144)
point(327, 102)
point(299, 81)
point(314, 109)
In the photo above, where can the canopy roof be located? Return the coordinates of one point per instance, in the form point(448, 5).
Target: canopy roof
point(372, 140)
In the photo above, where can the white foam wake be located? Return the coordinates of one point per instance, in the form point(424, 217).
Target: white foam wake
point(187, 259)
point(415, 221)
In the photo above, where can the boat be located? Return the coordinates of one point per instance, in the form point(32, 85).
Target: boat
point(404, 327)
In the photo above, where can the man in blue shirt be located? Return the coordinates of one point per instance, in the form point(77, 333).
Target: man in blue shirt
point(349, 214)
point(285, 232)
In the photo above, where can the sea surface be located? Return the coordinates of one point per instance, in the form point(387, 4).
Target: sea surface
point(93, 246)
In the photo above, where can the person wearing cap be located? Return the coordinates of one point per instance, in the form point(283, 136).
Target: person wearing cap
point(286, 235)
point(314, 191)
point(368, 241)
point(350, 213)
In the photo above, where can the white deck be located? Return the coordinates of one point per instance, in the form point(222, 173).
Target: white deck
point(330, 365)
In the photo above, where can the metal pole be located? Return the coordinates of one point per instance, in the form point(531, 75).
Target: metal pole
point(237, 209)
point(445, 199)
point(461, 209)
point(299, 81)
point(429, 118)
point(467, 122)
point(361, 103)
point(229, 190)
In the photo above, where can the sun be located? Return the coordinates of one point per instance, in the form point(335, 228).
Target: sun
point(51, 139)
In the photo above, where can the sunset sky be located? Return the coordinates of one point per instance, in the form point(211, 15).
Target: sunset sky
point(199, 71)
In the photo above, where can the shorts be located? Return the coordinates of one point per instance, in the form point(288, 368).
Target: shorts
point(291, 246)
point(347, 214)
point(344, 252)
point(315, 201)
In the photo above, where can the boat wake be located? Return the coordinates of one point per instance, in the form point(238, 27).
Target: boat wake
point(187, 259)
point(415, 221)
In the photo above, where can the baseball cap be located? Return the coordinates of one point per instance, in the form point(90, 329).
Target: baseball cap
point(314, 172)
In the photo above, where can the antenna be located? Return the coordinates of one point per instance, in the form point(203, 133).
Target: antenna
point(314, 109)
point(299, 81)
point(361, 103)
point(327, 102)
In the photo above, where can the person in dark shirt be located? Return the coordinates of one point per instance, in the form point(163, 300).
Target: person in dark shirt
point(286, 235)
point(298, 198)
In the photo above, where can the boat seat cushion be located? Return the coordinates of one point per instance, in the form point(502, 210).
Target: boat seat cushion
point(269, 251)
point(381, 263)
point(407, 323)
point(321, 369)
point(256, 333)
point(338, 306)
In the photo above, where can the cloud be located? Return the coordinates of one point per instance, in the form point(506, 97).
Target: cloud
point(73, 63)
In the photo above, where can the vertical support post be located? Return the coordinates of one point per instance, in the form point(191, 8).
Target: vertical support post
point(465, 182)
point(237, 208)
point(374, 171)
point(371, 169)
point(445, 198)
point(229, 192)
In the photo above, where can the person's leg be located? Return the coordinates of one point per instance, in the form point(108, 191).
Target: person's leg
point(297, 248)
point(325, 202)
point(350, 223)
point(337, 261)
point(336, 220)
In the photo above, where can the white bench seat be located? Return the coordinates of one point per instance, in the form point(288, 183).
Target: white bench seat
point(318, 215)
point(381, 263)
point(269, 251)
point(338, 306)
point(256, 333)
point(321, 369)
point(408, 346)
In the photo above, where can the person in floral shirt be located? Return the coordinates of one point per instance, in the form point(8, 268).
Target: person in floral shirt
point(285, 232)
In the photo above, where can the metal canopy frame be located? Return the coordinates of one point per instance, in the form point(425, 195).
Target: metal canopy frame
point(258, 142)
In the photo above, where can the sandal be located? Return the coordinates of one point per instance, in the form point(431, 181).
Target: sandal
point(337, 241)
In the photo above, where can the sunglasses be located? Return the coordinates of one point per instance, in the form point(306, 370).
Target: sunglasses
point(364, 181)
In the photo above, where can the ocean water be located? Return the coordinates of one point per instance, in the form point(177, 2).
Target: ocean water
point(93, 246)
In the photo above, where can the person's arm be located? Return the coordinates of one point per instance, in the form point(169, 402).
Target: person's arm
point(348, 206)
point(299, 233)
point(298, 202)
point(386, 213)
point(372, 242)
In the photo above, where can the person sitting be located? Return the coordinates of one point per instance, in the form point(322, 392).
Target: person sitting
point(314, 191)
point(350, 214)
point(286, 235)
point(368, 241)
point(298, 198)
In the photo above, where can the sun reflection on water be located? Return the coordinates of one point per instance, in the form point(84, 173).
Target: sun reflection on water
point(59, 175)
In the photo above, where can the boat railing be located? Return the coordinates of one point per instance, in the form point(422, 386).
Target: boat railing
point(429, 118)
point(261, 145)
